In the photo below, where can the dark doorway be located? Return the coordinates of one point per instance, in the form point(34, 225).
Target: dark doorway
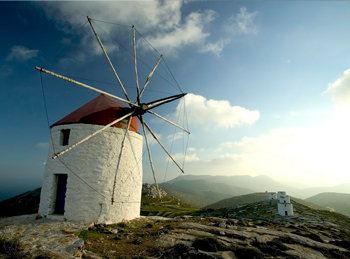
point(61, 193)
point(286, 213)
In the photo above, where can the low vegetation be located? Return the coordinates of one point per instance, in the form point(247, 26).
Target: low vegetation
point(10, 248)
point(142, 238)
point(127, 240)
point(169, 207)
point(184, 231)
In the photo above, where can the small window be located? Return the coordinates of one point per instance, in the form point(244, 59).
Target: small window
point(64, 138)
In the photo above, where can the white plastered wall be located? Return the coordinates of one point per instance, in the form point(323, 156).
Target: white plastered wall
point(285, 199)
point(281, 194)
point(272, 196)
point(285, 207)
point(91, 169)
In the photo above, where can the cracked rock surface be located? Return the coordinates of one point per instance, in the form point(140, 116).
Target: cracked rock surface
point(57, 239)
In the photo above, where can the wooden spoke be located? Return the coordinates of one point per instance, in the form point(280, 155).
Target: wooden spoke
point(93, 134)
point(155, 137)
point(169, 99)
point(135, 66)
point(109, 61)
point(84, 85)
point(120, 157)
point(150, 157)
point(172, 123)
point(150, 75)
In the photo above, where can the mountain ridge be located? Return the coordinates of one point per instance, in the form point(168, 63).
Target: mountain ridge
point(337, 201)
point(263, 183)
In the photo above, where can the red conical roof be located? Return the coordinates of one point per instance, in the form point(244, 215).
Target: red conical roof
point(101, 111)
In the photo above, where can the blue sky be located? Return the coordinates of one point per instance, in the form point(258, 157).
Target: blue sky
point(269, 82)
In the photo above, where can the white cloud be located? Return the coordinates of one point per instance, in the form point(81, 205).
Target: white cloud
point(188, 158)
point(339, 90)
point(300, 154)
point(187, 34)
point(161, 20)
point(242, 23)
point(151, 140)
point(191, 149)
point(176, 136)
point(143, 14)
point(21, 53)
point(218, 113)
point(216, 47)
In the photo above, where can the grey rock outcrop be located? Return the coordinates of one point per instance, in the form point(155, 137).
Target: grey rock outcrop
point(44, 237)
point(151, 191)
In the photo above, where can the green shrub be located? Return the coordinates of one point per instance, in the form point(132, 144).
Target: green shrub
point(10, 247)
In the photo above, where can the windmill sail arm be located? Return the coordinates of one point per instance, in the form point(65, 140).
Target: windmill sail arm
point(120, 157)
point(150, 75)
point(135, 66)
point(159, 102)
point(155, 137)
point(91, 135)
point(109, 61)
point(172, 123)
point(84, 85)
point(150, 157)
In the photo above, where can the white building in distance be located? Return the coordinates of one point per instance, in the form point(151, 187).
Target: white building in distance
point(272, 196)
point(284, 206)
point(84, 183)
point(281, 194)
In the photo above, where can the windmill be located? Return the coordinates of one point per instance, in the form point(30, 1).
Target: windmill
point(125, 119)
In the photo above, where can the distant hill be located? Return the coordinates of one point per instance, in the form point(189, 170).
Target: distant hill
point(310, 204)
point(338, 201)
point(234, 202)
point(25, 203)
point(200, 192)
point(9, 189)
point(341, 188)
point(260, 183)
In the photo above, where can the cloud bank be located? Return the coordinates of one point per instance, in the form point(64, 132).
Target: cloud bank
point(298, 154)
point(216, 113)
point(339, 90)
point(167, 29)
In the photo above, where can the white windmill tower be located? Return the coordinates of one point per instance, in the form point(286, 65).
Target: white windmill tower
point(88, 183)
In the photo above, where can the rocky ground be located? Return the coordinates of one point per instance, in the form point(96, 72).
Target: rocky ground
point(251, 231)
point(40, 238)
